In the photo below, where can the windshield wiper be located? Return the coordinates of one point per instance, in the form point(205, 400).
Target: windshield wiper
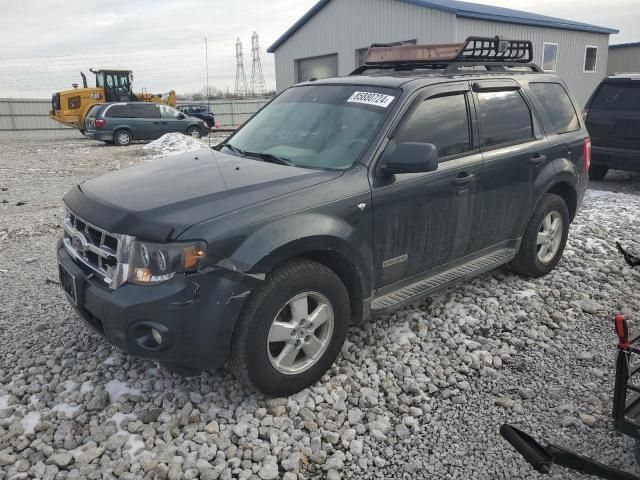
point(269, 157)
point(235, 150)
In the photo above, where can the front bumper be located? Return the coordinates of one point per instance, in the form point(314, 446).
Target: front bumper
point(616, 158)
point(195, 314)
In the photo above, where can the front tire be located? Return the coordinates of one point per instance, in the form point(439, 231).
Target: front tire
point(597, 173)
point(194, 132)
point(544, 239)
point(292, 329)
point(122, 138)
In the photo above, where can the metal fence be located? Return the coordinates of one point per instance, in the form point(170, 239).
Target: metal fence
point(33, 114)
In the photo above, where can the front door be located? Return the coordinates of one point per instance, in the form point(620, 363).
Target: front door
point(171, 120)
point(422, 221)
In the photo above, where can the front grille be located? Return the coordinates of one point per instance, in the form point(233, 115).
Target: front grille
point(92, 246)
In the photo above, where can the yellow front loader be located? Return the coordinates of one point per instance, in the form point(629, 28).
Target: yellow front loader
point(70, 107)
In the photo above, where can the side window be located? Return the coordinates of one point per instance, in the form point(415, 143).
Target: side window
point(558, 106)
point(505, 117)
point(443, 121)
point(120, 111)
point(145, 110)
point(168, 112)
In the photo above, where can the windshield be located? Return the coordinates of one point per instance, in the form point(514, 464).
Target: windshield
point(318, 126)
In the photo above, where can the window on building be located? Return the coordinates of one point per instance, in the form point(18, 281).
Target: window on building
point(505, 117)
point(317, 67)
point(590, 58)
point(443, 121)
point(361, 53)
point(549, 57)
point(558, 105)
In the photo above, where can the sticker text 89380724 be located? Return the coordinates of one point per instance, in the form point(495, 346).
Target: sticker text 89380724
point(371, 98)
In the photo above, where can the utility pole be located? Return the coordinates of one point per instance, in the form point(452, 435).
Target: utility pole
point(241, 79)
point(258, 86)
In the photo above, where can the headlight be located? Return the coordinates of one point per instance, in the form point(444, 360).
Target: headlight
point(153, 263)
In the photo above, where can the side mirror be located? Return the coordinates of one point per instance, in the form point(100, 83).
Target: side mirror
point(181, 116)
point(411, 157)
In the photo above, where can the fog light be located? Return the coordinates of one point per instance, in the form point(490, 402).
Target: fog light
point(156, 336)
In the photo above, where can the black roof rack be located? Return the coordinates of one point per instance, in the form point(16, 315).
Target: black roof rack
point(492, 53)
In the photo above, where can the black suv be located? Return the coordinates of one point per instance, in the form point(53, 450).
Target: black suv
point(612, 116)
point(341, 198)
point(199, 111)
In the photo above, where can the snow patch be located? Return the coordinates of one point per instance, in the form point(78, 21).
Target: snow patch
point(86, 387)
point(29, 422)
point(66, 408)
point(117, 389)
point(120, 417)
point(135, 445)
point(401, 334)
point(173, 143)
point(109, 361)
point(4, 401)
point(526, 293)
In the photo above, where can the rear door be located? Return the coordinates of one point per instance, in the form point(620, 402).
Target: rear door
point(613, 118)
point(514, 150)
point(147, 121)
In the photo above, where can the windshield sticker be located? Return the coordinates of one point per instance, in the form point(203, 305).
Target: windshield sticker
point(370, 98)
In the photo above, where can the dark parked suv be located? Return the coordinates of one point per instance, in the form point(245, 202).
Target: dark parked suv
point(613, 119)
point(121, 123)
point(342, 198)
point(199, 111)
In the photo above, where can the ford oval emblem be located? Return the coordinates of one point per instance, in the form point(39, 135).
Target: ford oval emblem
point(79, 242)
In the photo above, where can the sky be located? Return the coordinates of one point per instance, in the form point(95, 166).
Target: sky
point(45, 44)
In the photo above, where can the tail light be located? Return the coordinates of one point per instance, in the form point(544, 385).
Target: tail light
point(586, 154)
point(100, 122)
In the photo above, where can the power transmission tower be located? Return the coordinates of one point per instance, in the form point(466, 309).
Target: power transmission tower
point(241, 79)
point(258, 86)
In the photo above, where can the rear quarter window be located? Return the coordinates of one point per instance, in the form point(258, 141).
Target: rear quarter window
point(617, 96)
point(558, 105)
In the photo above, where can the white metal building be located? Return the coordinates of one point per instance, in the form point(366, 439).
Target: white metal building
point(624, 58)
point(331, 39)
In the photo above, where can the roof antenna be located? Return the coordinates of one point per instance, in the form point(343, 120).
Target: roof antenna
point(206, 59)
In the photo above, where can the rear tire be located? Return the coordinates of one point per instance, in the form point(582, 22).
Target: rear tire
point(544, 238)
point(194, 132)
point(597, 173)
point(292, 329)
point(122, 138)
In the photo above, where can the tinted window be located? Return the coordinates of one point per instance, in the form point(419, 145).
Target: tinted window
point(442, 121)
point(120, 111)
point(617, 96)
point(505, 117)
point(145, 110)
point(558, 106)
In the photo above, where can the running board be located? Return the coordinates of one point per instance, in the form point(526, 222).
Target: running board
point(426, 286)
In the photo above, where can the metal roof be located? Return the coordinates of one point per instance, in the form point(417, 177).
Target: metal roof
point(625, 45)
point(465, 10)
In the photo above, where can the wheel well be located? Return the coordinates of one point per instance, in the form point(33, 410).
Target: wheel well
point(348, 273)
point(115, 132)
point(569, 194)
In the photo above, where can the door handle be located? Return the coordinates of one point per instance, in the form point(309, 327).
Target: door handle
point(164, 123)
point(464, 178)
point(156, 123)
point(537, 159)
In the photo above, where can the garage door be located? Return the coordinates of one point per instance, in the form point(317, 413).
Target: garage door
point(317, 67)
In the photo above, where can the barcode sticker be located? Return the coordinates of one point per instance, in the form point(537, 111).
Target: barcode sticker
point(371, 98)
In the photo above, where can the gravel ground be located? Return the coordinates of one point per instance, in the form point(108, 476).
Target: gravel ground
point(418, 394)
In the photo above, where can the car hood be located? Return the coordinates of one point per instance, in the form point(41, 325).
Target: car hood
point(158, 200)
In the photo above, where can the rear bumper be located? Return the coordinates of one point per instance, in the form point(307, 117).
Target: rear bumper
point(195, 314)
point(616, 158)
point(96, 135)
